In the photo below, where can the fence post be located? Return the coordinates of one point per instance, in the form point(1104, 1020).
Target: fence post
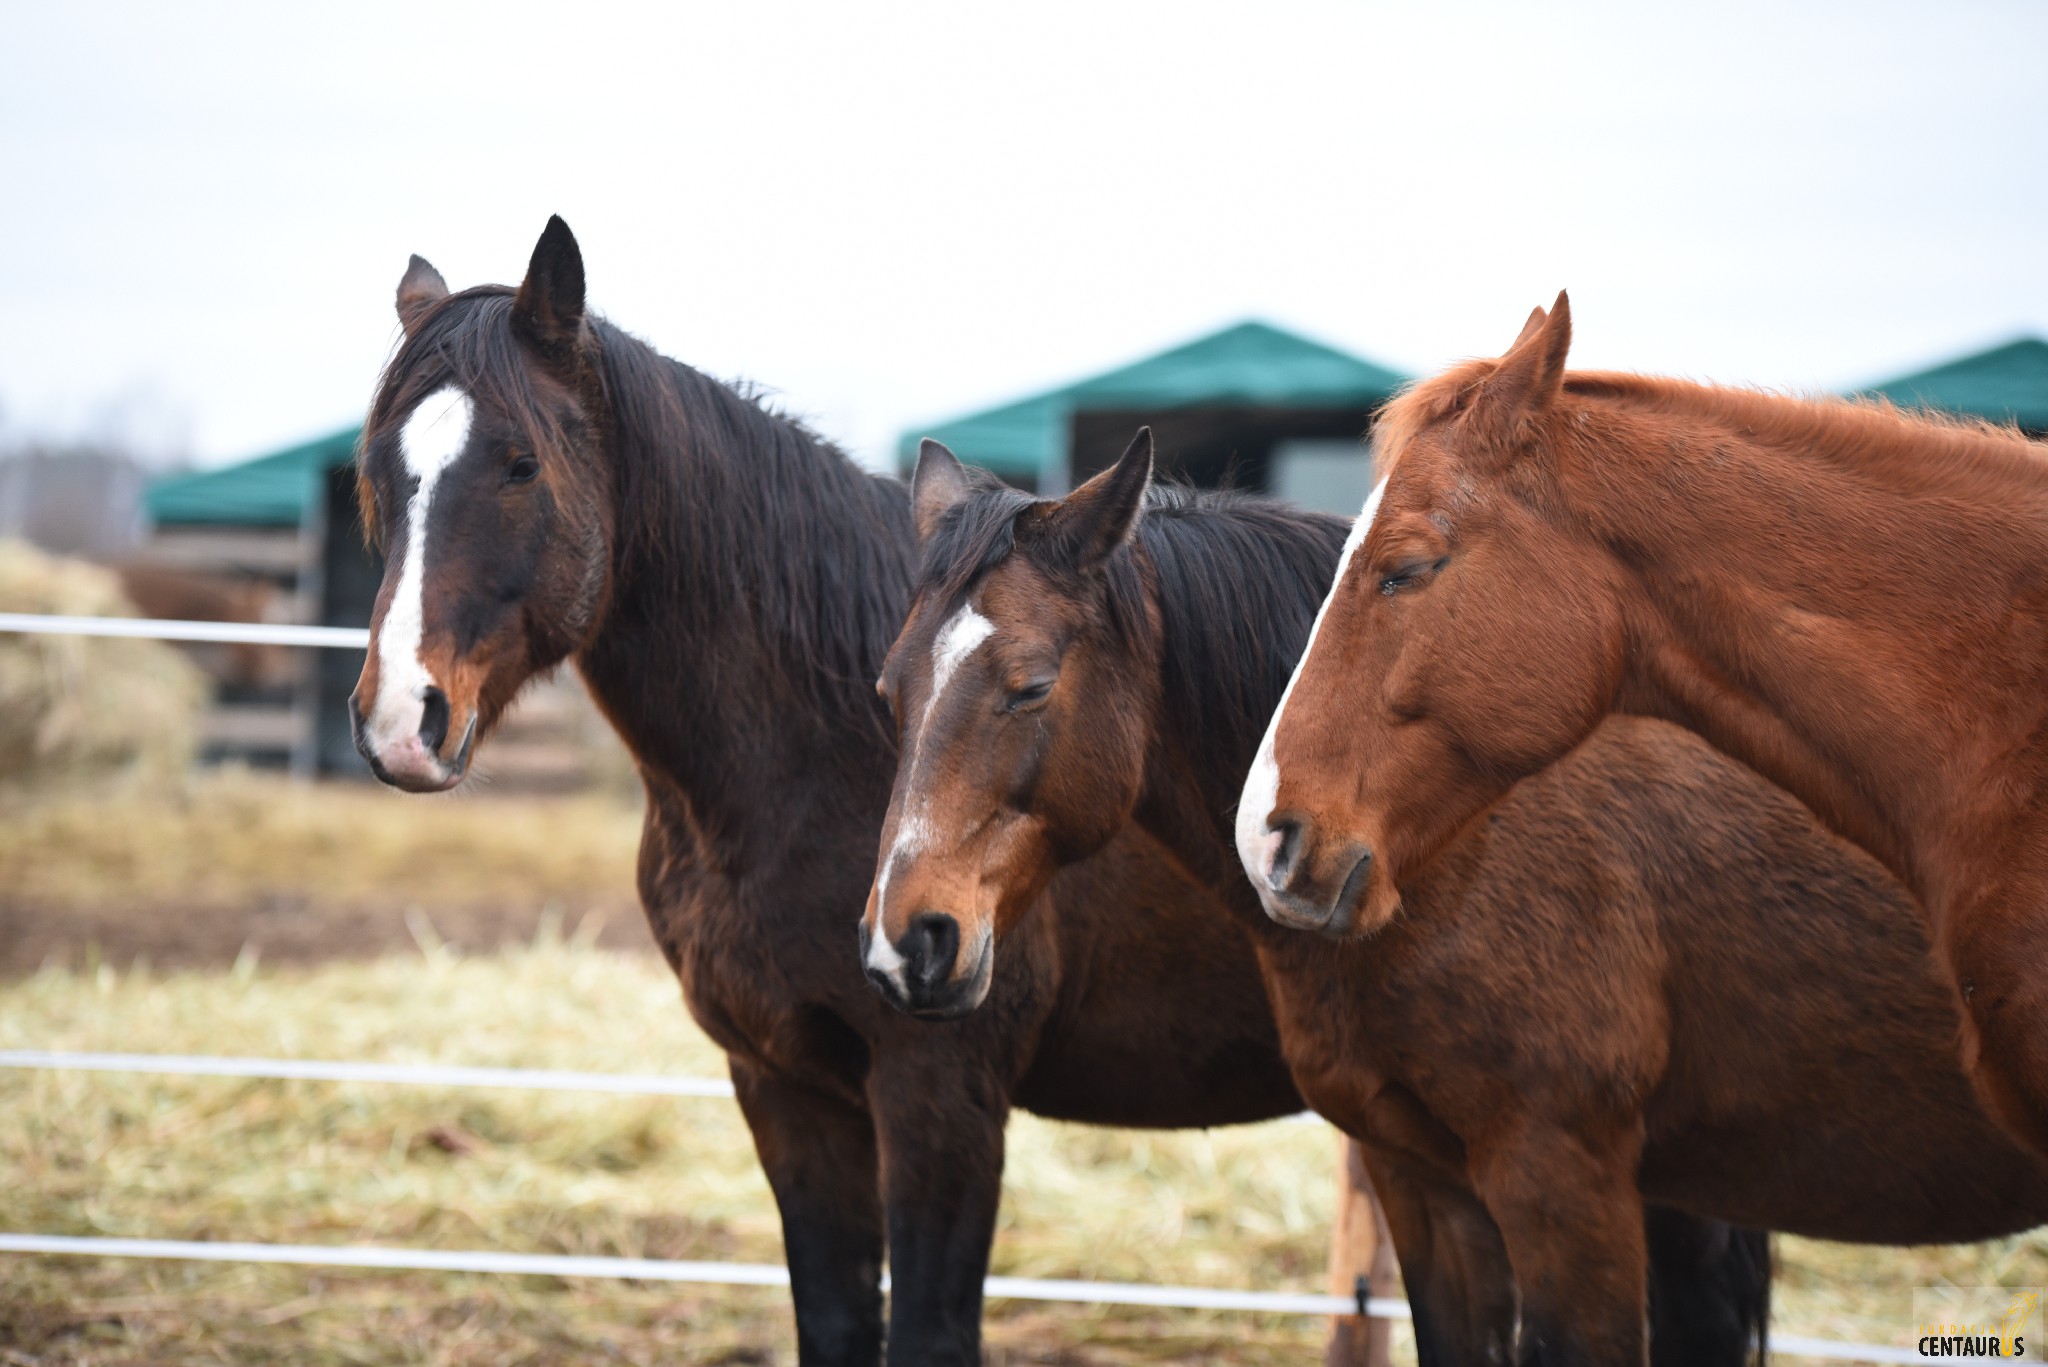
point(1361, 1254)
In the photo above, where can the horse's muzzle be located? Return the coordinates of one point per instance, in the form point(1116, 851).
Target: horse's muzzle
point(413, 761)
point(1311, 883)
point(922, 973)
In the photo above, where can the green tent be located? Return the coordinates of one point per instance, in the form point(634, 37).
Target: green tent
point(1251, 366)
point(2005, 384)
point(277, 490)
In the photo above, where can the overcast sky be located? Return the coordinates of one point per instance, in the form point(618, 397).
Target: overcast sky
point(894, 214)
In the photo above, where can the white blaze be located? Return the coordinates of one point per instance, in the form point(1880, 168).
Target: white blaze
point(433, 436)
point(962, 635)
point(1256, 844)
point(955, 642)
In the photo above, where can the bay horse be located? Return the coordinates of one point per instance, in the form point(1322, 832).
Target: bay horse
point(1645, 974)
point(550, 489)
point(1850, 599)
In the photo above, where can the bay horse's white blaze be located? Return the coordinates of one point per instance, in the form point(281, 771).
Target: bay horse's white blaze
point(1257, 843)
point(433, 436)
point(956, 641)
point(962, 635)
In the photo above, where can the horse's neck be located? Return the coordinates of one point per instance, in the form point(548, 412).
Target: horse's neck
point(1823, 626)
point(740, 723)
point(1177, 808)
point(1189, 796)
point(1194, 773)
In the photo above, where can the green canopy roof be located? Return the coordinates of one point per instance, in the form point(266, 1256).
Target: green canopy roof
point(2006, 384)
point(1252, 364)
point(269, 491)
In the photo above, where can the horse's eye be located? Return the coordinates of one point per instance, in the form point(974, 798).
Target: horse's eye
point(1030, 695)
point(1410, 575)
point(523, 469)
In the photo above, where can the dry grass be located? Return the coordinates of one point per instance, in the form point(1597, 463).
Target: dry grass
point(198, 871)
point(137, 868)
point(230, 837)
point(304, 1162)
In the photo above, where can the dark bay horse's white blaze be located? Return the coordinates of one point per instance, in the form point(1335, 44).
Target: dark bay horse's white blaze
point(405, 717)
point(913, 954)
point(1268, 833)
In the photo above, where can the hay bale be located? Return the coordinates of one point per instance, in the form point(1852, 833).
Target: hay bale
point(87, 706)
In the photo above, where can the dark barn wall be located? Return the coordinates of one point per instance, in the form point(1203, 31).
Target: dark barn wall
point(349, 575)
point(1214, 446)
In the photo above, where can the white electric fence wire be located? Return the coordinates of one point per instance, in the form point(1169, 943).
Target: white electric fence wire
point(644, 1269)
point(768, 1274)
point(409, 1074)
point(165, 629)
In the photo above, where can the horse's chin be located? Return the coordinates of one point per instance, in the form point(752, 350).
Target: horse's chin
point(1372, 910)
point(426, 783)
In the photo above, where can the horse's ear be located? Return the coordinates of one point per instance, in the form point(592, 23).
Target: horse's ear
point(548, 310)
point(419, 289)
point(939, 484)
point(1530, 375)
point(1098, 517)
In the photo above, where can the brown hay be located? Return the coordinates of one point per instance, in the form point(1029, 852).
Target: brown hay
point(76, 707)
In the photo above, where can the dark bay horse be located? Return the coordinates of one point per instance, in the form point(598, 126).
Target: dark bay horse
point(1849, 599)
point(1644, 974)
point(548, 489)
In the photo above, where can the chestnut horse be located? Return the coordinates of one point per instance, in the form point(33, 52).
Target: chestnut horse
point(1646, 974)
point(549, 488)
point(1849, 599)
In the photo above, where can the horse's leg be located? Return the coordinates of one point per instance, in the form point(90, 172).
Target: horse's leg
point(1710, 1290)
point(940, 1123)
point(819, 1154)
point(1572, 1219)
point(1453, 1264)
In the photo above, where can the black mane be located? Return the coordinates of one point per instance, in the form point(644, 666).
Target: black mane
point(1239, 578)
point(766, 528)
point(747, 529)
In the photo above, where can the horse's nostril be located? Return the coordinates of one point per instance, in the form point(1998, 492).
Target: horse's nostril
point(929, 947)
point(1345, 909)
point(433, 720)
point(1286, 852)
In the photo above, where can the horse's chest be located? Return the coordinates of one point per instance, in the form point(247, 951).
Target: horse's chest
point(745, 991)
point(733, 991)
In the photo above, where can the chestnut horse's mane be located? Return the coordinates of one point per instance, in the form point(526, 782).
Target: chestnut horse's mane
point(1920, 452)
point(1238, 579)
point(738, 522)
